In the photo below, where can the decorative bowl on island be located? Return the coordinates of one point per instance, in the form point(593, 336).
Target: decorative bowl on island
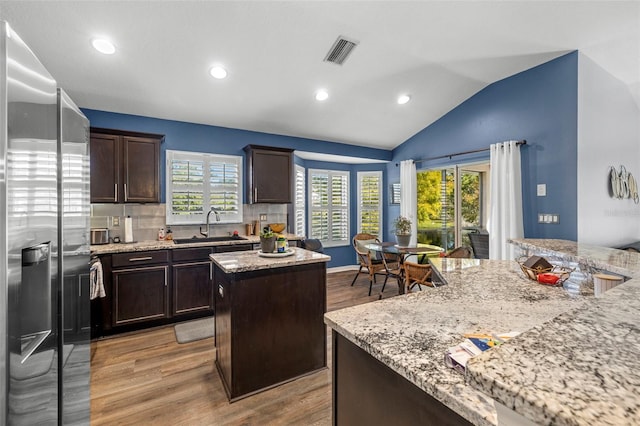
point(277, 227)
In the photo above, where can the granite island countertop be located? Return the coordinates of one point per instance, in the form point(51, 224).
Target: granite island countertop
point(582, 367)
point(411, 333)
point(164, 245)
point(245, 261)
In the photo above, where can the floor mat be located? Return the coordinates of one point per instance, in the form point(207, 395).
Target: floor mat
point(195, 330)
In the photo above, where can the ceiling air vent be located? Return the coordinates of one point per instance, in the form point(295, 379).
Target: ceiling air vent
point(340, 50)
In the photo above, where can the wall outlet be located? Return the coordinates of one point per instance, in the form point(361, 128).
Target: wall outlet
point(263, 216)
point(548, 218)
point(115, 220)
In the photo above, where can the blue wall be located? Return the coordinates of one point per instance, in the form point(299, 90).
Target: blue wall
point(202, 138)
point(539, 105)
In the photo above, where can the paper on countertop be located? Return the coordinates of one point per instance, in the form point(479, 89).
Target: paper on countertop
point(457, 356)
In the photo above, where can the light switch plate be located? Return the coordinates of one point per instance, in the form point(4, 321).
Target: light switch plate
point(263, 217)
point(115, 220)
point(542, 190)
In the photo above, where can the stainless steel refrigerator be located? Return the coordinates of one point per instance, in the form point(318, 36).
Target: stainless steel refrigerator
point(44, 245)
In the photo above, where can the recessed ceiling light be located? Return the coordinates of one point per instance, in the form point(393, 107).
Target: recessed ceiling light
point(218, 72)
point(103, 45)
point(322, 95)
point(403, 99)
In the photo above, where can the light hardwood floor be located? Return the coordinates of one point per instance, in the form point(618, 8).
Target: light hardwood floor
point(148, 378)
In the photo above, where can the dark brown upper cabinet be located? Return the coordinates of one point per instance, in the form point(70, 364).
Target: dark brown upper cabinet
point(125, 166)
point(270, 174)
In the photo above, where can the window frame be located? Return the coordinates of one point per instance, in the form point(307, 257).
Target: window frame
point(360, 207)
point(207, 159)
point(330, 173)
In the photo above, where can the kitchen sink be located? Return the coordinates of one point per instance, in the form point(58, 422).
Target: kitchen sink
point(206, 240)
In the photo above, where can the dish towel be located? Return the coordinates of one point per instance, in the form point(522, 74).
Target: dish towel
point(96, 281)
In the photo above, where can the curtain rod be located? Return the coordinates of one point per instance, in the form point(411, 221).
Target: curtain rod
point(420, 160)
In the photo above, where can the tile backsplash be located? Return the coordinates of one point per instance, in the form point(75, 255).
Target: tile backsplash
point(149, 218)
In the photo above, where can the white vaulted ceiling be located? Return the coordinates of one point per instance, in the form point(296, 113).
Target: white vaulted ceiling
point(440, 53)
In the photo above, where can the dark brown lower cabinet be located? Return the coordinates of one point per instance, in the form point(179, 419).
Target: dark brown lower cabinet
point(140, 294)
point(367, 392)
point(269, 326)
point(148, 289)
point(192, 288)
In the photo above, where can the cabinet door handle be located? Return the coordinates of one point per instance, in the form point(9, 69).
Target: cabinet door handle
point(210, 271)
point(115, 191)
point(137, 259)
point(255, 194)
point(126, 196)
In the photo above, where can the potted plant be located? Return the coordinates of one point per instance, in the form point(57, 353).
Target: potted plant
point(402, 226)
point(267, 240)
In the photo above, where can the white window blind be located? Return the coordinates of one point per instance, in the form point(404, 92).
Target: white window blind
point(329, 206)
point(300, 202)
point(198, 182)
point(370, 202)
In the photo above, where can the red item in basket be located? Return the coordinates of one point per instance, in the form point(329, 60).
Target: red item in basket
point(547, 278)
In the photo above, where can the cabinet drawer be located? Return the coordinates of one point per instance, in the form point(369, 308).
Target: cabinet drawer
point(140, 258)
point(233, 247)
point(191, 254)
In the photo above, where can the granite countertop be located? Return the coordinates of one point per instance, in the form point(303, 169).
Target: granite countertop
point(411, 333)
point(582, 367)
point(618, 261)
point(163, 245)
point(245, 261)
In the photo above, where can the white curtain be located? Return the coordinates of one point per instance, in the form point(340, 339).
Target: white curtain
point(409, 196)
point(505, 218)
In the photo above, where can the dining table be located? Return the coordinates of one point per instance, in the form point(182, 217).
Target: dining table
point(424, 251)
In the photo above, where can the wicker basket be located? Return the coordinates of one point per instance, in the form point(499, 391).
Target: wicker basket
point(562, 272)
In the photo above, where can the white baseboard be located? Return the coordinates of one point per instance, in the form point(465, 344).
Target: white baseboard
point(343, 268)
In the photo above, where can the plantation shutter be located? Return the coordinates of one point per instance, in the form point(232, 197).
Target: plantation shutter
point(199, 182)
point(329, 209)
point(300, 203)
point(370, 202)
point(339, 208)
point(224, 183)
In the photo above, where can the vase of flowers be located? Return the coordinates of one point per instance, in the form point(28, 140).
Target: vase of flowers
point(402, 227)
point(267, 240)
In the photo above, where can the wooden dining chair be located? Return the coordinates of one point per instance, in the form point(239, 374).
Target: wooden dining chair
point(416, 274)
point(369, 261)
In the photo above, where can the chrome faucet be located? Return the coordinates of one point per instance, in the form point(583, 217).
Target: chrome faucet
point(206, 234)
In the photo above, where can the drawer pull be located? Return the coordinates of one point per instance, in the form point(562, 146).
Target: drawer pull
point(137, 259)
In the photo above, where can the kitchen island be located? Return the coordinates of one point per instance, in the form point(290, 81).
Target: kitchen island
point(409, 335)
point(574, 363)
point(269, 318)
